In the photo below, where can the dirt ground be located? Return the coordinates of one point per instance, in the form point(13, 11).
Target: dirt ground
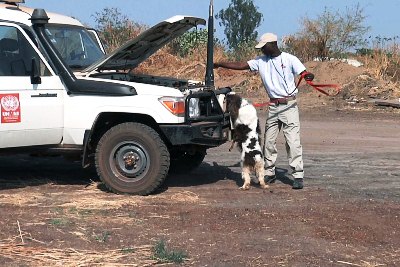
point(54, 213)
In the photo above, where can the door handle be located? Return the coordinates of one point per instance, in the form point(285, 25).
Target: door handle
point(45, 95)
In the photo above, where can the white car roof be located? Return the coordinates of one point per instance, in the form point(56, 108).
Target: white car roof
point(22, 14)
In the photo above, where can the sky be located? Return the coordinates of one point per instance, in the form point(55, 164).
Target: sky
point(281, 17)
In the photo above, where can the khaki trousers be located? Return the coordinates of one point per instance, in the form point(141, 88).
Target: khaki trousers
point(285, 117)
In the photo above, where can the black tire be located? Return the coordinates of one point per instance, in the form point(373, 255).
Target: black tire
point(182, 162)
point(131, 158)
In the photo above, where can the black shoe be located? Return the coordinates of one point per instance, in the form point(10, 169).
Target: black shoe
point(270, 179)
point(298, 183)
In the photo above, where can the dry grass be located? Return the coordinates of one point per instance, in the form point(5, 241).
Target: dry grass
point(24, 249)
point(362, 264)
point(384, 61)
point(184, 197)
point(383, 64)
point(90, 197)
point(42, 256)
point(192, 67)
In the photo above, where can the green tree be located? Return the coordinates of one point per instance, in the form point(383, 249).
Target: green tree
point(240, 20)
point(191, 40)
point(185, 44)
point(331, 34)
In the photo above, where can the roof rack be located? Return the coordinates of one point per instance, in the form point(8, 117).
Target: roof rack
point(13, 2)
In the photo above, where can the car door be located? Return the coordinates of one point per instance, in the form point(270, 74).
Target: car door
point(31, 111)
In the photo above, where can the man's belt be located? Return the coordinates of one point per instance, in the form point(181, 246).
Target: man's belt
point(283, 100)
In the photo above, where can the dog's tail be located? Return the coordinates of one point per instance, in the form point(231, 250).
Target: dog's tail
point(232, 145)
point(258, 129)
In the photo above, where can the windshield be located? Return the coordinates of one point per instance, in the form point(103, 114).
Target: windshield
point(76, 45)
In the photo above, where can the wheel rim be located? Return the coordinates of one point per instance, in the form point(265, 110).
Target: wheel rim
point(129, 161)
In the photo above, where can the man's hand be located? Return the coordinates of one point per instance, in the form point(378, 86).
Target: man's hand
point(309, 77)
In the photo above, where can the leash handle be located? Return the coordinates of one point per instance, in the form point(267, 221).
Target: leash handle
point(318, 86)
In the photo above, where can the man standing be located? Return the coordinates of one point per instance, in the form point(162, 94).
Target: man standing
point(278, 71)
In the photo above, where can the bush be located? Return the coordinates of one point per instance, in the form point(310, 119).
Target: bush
point(244, 51)
point(189, 41)
point(383, 60)
point(331, 35)
point(162, 254)
point(115, 28)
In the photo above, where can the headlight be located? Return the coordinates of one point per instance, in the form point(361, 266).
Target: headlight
point(175, 105)
point(194, 108)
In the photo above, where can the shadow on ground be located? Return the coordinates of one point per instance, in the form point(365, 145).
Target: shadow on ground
point(22, 171)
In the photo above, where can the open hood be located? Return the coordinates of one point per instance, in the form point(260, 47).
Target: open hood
point(135, 51)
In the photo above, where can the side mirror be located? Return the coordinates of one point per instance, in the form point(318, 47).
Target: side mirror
point(35, 75)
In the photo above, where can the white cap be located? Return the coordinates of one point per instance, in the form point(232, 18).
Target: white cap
point(266, 38)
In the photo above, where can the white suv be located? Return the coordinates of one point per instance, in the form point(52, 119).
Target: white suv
point(60, 94)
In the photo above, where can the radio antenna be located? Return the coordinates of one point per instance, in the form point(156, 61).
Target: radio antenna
point(209, 79)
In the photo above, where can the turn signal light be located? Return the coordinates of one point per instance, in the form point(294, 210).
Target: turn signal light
point(175, 105)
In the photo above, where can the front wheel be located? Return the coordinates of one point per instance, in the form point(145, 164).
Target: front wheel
point(131, 158)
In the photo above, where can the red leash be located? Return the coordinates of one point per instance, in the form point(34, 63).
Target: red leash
point(258, 105)
point(318, 86)
point(315, 86)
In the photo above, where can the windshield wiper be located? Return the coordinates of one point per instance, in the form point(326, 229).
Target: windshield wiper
point(76, 66)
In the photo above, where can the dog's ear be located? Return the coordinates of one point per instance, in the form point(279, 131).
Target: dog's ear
point(233, 103)
point(222, 101)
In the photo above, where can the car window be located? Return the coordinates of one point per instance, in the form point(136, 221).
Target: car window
point(16, 54)
point(75, 45)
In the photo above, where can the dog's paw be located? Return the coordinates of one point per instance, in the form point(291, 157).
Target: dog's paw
point(264, 186)
point(245, 187)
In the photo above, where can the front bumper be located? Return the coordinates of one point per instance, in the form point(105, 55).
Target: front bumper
point(204, 133)
point(210, 127)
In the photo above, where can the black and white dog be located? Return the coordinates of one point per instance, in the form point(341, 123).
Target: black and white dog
point(246, 133)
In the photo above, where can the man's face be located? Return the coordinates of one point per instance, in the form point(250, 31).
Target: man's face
point(267, 49)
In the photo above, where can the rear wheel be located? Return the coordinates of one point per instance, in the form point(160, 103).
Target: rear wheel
point(131, 158)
